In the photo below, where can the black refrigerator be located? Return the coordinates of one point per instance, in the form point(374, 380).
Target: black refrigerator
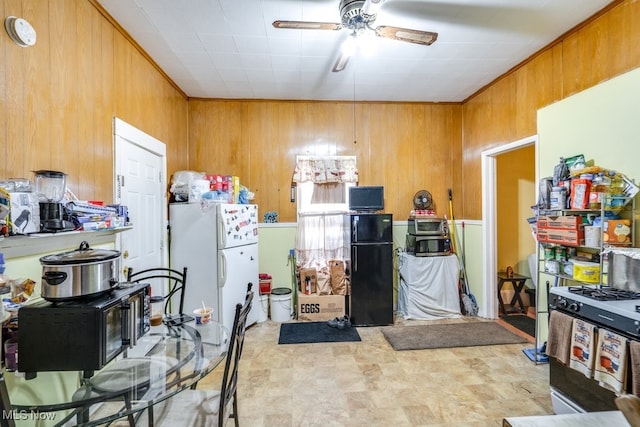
point(370, 242)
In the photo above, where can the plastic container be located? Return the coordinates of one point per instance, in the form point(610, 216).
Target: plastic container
point(557, 198)
point(203, 315)
point(11, 354)
point(552, 266)
point(157, 310)
point(588, 272)
point(265, 287)
point(592, 236)
point(263, 313)
point(280, 303)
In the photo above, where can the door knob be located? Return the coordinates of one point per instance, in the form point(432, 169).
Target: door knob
point(125, 254)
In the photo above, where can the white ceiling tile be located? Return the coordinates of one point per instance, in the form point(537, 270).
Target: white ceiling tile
point(229, 48)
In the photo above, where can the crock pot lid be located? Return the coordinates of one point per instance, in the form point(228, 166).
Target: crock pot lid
point(80, 256)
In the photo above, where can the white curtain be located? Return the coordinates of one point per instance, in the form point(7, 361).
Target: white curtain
point(326, 169)
point(320, 238)
point(321, 235)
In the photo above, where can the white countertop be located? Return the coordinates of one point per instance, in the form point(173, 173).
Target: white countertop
point(591, 419)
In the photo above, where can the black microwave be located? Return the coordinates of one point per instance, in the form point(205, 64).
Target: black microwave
point(428, 245)
point(81, 335)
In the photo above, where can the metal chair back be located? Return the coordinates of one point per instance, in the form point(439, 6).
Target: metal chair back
point(228, 390)
point(177, 281)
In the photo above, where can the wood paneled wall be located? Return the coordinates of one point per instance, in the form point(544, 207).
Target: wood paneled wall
point(405, 147)
point(603, 48)
point(58, 98)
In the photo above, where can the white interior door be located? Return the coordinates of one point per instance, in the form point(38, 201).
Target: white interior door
point(140, 185)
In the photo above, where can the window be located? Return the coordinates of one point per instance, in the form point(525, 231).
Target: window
point(324, 197)
point(322, 183)
point(322, 190)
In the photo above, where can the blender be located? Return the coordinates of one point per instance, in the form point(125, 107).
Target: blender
point(50, 187)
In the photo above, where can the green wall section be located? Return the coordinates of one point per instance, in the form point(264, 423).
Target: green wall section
point(601, 123)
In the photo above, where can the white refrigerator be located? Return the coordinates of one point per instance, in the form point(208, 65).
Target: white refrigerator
point(218, 244)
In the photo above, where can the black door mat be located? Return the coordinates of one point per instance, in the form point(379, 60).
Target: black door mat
point(522, 322)
point(315, 332)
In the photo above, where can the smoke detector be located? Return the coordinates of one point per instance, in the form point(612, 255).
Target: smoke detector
point(20, 31)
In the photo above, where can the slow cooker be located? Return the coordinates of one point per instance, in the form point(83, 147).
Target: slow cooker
point(81, 273)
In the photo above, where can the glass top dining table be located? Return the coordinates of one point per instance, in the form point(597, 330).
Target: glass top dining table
point(164, 362)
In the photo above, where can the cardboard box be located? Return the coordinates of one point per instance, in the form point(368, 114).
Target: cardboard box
point(562, 237)
point(617, 231)
point(320, 307)
point(572, 222)
point(25, 213)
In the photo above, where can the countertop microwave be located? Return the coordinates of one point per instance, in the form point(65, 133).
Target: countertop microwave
point(428, 226)
point(423, 246)
point(81, 335)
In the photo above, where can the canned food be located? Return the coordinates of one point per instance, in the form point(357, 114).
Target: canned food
point(549, 252)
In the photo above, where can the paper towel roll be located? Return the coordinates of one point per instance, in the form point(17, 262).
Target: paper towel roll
point(592, 236)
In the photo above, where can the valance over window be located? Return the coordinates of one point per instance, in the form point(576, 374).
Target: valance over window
point(327, 169)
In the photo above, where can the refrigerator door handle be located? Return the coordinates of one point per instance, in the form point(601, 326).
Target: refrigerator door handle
point(222, 269)
point(222, 237)
point(355, 229)
point(355, 257)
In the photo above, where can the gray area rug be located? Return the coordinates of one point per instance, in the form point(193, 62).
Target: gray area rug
point(467, 334)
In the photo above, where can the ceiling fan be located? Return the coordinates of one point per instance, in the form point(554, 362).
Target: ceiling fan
point(359, 16)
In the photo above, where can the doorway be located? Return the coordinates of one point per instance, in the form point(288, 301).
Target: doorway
point(489, 220)
point(140, 184)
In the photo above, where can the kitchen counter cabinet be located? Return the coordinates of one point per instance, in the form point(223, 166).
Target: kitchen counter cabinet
point(18, 246)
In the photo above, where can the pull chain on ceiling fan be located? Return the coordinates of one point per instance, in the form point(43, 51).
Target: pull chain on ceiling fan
point(359, 16)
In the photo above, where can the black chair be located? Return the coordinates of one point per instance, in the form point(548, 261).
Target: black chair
point(211, 408)
point(177, 281)
point(6, 418)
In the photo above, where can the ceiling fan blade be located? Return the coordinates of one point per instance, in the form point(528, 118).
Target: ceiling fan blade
point(406, 35)
point(306, 25)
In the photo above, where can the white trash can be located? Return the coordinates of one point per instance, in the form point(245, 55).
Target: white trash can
point(263, 313)
point(281, 304)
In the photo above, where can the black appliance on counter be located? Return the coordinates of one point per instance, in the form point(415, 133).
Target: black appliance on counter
point(370, 242)
point(81, 335)
point(50, 187)
point(605, 307)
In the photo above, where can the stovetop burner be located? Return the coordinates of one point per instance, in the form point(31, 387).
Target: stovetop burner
point(604, 293)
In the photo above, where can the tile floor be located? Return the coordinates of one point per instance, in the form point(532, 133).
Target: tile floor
point(367, 383)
